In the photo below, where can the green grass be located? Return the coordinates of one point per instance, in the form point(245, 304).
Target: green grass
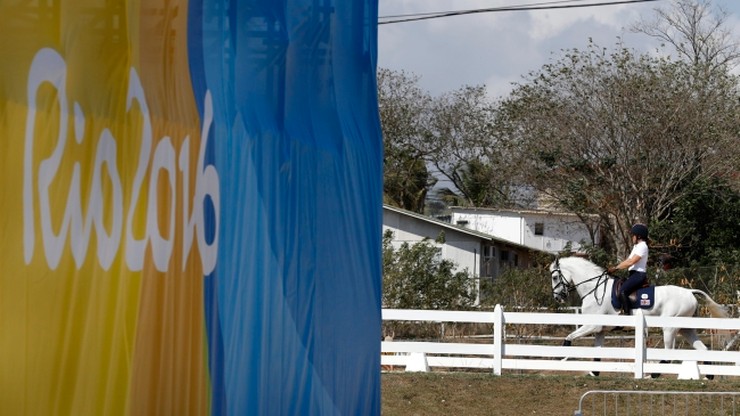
point(443, 393)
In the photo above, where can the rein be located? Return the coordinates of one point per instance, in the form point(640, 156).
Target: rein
point(569, 287)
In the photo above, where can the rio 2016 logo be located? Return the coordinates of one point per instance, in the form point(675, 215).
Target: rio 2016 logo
point(48, 66)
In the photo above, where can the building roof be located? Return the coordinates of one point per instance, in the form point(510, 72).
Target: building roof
point(517, 211)
point(458, 228)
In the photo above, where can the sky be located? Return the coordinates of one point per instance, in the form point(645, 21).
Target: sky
point(497, 49)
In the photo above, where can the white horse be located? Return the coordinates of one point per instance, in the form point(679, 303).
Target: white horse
point(594, 287)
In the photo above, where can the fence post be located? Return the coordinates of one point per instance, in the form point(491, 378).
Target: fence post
point(498, 339)
point(417, 362)
point(640, 346)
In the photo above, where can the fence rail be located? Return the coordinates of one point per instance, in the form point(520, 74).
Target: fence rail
point(498, 355)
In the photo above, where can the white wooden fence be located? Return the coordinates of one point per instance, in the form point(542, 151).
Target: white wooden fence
point(498, 355)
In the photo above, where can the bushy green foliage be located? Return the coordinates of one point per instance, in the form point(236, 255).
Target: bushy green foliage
point(519, 289)
point(596, 254)
point(702, 228)
point(720, 281)
point(416, 277)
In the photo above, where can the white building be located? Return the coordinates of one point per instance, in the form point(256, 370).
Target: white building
point(540, 230)
point(484, 255)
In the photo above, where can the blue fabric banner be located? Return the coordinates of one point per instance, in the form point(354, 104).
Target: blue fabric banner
point(191, 209)
point(295, 296)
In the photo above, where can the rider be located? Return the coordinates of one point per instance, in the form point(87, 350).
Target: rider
point(637, 264)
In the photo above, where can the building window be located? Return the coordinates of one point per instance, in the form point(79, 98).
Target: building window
point(539, 228)
point(489, 254)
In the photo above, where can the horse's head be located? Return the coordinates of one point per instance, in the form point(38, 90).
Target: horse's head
point(561, 287)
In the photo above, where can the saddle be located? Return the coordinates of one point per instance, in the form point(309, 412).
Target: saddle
point(643, 297)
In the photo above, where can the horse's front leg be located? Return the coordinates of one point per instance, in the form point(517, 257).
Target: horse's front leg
point(598, 342)
point(582, 332)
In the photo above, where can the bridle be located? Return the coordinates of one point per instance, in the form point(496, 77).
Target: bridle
point(571, 287)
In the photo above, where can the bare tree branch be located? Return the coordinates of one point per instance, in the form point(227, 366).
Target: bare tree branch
point(697, 31)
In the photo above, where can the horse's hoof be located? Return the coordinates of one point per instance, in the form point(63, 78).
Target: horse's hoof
point(594, 373)
point(655, 375)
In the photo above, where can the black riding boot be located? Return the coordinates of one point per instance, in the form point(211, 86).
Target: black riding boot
point(626, 306)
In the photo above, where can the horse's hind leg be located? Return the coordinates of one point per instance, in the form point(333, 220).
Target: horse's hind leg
point(669, 343)
point(669, 338)
point(691, 336)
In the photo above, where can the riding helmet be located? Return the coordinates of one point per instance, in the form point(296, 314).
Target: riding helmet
point(640, 230)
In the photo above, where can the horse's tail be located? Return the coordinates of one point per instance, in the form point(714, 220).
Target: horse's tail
point(715, 309)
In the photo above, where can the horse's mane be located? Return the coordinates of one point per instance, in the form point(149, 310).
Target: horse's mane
point(580, 264)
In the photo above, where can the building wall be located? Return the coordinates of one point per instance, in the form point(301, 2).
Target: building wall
point(486, 258)
point(521, 227)
point(507, 227)
point(558, 231)
point(461, 248)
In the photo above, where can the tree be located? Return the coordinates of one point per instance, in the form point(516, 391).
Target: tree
point(416, 277)
point(697, 31)
point(466, 153)
point(404, 114)
point(451, 133)
point(621, 135)
point(703, 227)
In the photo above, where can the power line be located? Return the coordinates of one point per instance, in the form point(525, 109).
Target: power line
point(546, 3)
point(527, 7)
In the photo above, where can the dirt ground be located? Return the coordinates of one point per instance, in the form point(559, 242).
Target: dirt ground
point(442, 393)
